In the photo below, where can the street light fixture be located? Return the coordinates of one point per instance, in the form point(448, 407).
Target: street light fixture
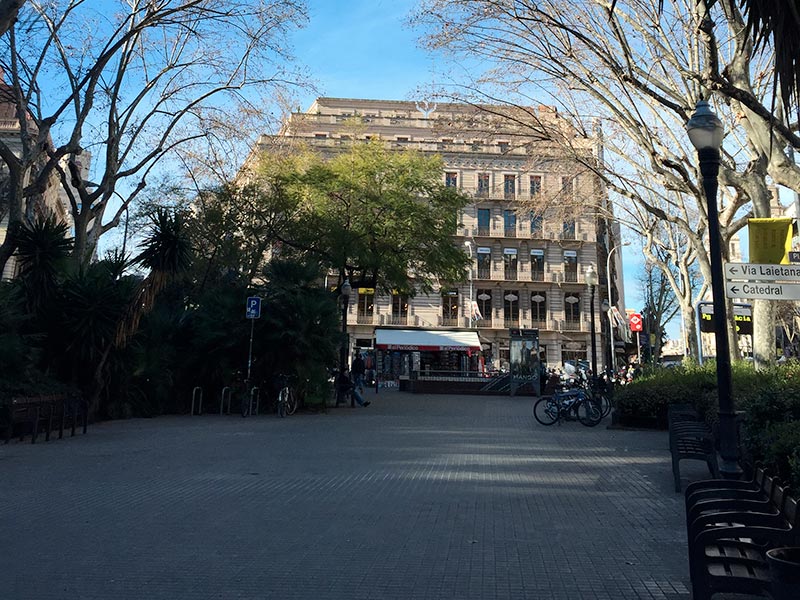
point(344, 293)
point(706, 132)
point(611, 361)
point(591, 281)
point(468, 244)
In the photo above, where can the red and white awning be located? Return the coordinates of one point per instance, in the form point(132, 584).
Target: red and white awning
point(426, 340)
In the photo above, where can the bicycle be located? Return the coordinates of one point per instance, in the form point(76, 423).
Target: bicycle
point(568, 405)
point(287, 399)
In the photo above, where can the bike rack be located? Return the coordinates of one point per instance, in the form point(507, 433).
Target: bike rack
point(254, 392)
point(226, 395)
point(197, 394)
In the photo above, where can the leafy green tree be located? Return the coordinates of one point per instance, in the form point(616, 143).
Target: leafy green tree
point(379, 217)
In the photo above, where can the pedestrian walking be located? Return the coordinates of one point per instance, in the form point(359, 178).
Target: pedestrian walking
point(358, 369)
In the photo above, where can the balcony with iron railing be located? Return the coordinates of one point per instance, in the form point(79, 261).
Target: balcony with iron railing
point(484, 274)
point(449, 321)
point(483, 231)
point(570, 276)
point(510, 274)
point(572, 325)
point(509, 322)
point(510, 232)
point(397, 319)
point(537, 274)
point(365, 318)
point(486, 321)
point(538, 323)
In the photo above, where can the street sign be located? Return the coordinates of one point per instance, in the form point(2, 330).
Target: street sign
point(752, 272)
point(253, 310)
point(794, 256)
point(765, 291)
point(636, 322)
point(742, 316)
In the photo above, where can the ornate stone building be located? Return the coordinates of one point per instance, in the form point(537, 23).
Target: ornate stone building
point(537, 221)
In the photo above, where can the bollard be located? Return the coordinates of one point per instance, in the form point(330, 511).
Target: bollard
point(255, 392)
point(226, 394)
point(197, 394)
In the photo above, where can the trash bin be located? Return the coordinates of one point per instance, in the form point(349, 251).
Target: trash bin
point(784, 571)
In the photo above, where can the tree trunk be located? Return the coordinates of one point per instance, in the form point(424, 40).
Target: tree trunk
point(690, 331)
point(763, 341)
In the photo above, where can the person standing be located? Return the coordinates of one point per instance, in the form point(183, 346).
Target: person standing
point(358, 369)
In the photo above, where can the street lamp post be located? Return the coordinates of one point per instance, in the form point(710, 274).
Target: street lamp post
point(706, 132)
point(591, 281)
point(344, 293)
point(468, 244)
point(611, 362)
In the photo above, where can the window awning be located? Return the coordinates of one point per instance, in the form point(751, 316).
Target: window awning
point(426, 340)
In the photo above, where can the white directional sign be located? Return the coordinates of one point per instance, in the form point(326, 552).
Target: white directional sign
point(766, 291)
point(758, 272)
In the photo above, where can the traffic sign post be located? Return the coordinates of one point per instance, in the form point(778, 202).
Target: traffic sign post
point(253, 307)
point(252, 312)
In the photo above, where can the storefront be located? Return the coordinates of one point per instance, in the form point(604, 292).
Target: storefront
point(403, 352)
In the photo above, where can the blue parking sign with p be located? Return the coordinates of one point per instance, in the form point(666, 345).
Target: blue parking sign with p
point(253, 307)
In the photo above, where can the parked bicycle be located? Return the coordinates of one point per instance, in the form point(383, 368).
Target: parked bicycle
point(570, 405)
point(287, 399)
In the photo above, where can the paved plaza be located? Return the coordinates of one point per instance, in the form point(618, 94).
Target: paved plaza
point(414, 497)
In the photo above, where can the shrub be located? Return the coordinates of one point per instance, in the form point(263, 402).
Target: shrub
point(770, 401)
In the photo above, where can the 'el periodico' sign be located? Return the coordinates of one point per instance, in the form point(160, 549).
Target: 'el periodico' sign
point(742, 316)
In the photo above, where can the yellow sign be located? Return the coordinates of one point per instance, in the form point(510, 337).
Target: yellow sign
point(770, 240)
point(366, 291)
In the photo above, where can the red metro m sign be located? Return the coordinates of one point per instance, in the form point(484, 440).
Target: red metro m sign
point(636, 322)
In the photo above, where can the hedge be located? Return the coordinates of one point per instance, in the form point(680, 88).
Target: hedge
point(770, 401)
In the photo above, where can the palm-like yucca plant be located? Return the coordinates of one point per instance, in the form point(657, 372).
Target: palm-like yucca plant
point(42, 250)
point(167, 252)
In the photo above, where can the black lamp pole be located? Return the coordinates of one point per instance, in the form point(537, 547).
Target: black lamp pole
point(705, 131)
point(344, 292)
point(591, 281)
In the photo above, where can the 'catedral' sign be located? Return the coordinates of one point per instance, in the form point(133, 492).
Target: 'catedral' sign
point(742, 315)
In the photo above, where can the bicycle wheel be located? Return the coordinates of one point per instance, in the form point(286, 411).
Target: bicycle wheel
point(604, 404)
point(282, 399)
point(245, 405)
point(546, 411)
point(291, 402)
point(588, 413)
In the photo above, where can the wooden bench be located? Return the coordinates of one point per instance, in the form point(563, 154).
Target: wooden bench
point(690, 438)
point(43, 412)
point(727, 548)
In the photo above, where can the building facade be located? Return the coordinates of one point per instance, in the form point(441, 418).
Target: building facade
point(536, 222)
point(53, 201)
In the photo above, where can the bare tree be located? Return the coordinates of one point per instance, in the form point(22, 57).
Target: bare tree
point(639, 70)
point(127, 90)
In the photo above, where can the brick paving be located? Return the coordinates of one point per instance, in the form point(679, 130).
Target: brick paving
point(414, 497)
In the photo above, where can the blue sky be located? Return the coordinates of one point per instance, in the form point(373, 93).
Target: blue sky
point(362, 49)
